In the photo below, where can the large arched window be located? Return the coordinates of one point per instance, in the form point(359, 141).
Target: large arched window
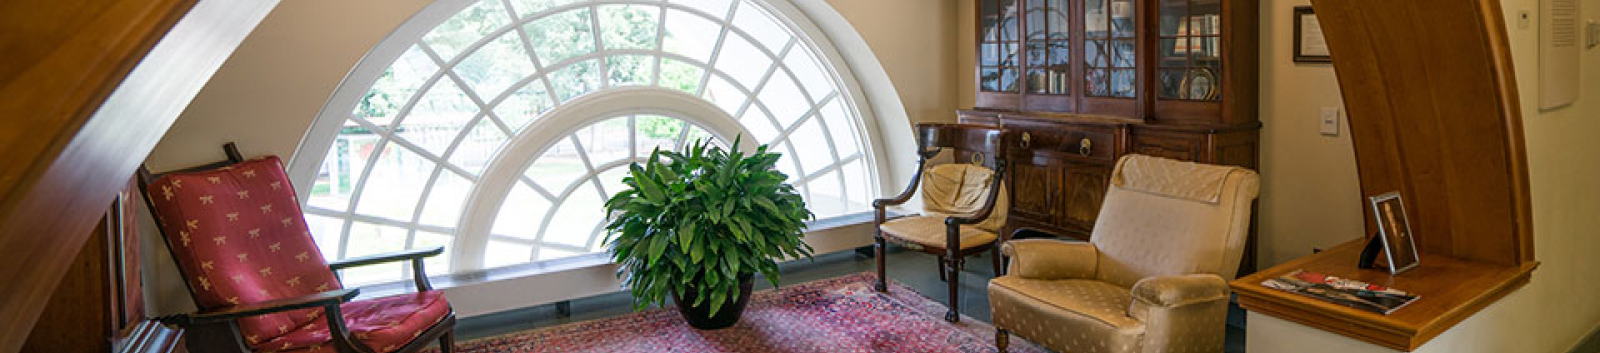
point(497, 127)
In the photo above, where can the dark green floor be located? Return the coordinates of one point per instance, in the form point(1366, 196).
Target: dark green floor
point(913, 269)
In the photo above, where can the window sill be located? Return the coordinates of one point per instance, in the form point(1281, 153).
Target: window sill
point(825, 227)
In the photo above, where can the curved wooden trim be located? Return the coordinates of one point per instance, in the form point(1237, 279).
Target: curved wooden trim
point(90, 104)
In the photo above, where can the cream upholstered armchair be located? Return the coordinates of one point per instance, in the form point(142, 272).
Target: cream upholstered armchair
point(1153, 276)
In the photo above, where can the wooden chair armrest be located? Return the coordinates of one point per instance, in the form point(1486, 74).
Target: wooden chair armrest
point(323, 299)
point(418, 275)
point(905, 195)
point(413, 254)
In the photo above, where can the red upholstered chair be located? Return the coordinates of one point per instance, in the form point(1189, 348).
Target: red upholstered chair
point(260, 283)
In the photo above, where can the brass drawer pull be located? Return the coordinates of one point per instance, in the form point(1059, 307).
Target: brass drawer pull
point(977, 158)
point(1027, 139)
point(1085, 147)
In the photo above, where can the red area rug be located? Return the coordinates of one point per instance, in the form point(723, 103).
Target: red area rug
point(834, 315)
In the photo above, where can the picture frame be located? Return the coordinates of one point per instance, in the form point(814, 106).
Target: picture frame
point(1394, 231)
point(1309, 44)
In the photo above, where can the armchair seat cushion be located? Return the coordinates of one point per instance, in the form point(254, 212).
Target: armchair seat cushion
point(384, 324)
point(928, 231)
point(1074, 315)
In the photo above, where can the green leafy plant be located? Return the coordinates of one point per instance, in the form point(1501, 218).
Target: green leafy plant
point(693, 221)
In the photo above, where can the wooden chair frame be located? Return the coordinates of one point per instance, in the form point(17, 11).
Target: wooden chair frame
point(217, 329)
point(986, 145)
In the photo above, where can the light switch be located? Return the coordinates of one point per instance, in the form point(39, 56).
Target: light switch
point(1594, 34)
point(1330, 121)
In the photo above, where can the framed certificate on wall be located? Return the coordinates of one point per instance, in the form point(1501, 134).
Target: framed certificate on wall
point(1309, 44)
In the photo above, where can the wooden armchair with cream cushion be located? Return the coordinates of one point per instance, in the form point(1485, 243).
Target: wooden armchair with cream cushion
point(963, 203)
point(1153, 276)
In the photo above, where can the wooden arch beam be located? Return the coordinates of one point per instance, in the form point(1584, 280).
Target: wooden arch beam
point(1434, 114)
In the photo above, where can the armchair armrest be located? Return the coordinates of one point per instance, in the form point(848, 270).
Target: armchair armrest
point(1051, 259)
point(1182, 311)
point(386, 258)
point(323, 299)
point(418, 275)
point(1181, 290)
point(904, 195)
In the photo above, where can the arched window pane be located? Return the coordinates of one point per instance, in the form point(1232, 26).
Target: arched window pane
point(558, 168)
point(629, 26)
point(810, 73)
point(689, 35)
point(741, 60)
point(393, 195)
point(605, 142)
point(468, 26)
point(499, 64)
point(629, 70)
point(447, 122)
point(561, 36)
point(783, 98)
point(681, 76)
point(445, 200)
point(521, 213)
point(765, 29)
point(397, 85)
point(576, 79)
point(817, 158)
point(520, 108)
point(437, 118)
point(578, 214)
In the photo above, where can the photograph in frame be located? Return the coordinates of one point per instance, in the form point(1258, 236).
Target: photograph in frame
point(1394, 230)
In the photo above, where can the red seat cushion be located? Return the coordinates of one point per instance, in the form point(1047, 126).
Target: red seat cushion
point(239, 237)
point(384, 324)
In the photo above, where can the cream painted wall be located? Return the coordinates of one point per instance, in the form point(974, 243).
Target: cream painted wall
point(916, 41)
point(1558, 308)
point(1310, 193)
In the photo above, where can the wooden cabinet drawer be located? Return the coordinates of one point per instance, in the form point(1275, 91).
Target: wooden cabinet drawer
point(1067, 141)
point(1184, 147)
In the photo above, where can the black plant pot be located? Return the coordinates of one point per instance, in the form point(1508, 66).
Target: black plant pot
point(700, 317)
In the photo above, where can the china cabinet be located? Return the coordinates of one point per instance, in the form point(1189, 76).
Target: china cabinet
point(1083, 82)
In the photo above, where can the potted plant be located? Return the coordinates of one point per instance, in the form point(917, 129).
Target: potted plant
point(698, 224)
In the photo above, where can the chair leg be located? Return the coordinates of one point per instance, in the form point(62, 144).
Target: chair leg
point(952, 269)
point(941, 270)
point(1002, 339)
point(882, 254)
point(447, 342)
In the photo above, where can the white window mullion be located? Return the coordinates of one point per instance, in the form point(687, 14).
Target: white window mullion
point(716, 49)
point(548, 197)
point(533, 56)
point(599, 46)
point(661, 35)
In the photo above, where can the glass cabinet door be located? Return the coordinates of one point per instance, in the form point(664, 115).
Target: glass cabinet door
point(1109, 47)
point(999, 45)
point(1190, 50)
point(1048, 47)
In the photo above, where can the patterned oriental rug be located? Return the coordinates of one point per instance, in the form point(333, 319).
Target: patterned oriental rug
point(840, 314)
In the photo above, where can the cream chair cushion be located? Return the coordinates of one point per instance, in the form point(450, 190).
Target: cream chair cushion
point(928, 231)
point(1067, 315)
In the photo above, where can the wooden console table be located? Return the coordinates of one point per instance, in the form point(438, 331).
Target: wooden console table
point(1450, 289)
